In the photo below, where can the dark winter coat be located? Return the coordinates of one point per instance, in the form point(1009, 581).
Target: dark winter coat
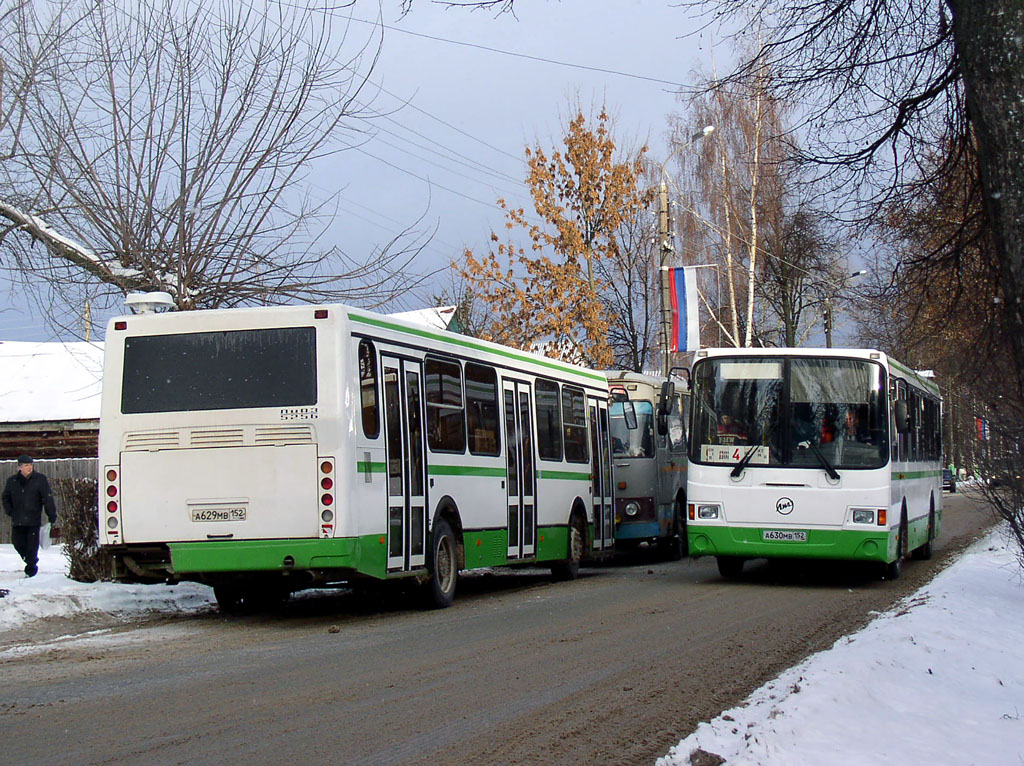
point(25, 499)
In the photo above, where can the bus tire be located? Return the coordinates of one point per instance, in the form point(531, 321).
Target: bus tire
point(925, 552)
point(229, 598)
point(439, 590)
point(894, 568)
point(729, 566)
point(676, 546)
point(570, 568)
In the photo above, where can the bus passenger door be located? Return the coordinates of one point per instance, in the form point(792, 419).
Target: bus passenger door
point(521, 474)
point(403, 423)
point(601, 471)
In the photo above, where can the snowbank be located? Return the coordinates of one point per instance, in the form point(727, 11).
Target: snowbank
point(938, 680)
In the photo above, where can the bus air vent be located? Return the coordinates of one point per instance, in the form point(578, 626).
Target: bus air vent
point(283, 435)
point(145, 441)
point(217, 437)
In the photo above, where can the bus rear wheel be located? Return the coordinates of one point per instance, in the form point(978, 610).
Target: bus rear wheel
point(729, 566)
point(444, 567)
point(570, 568)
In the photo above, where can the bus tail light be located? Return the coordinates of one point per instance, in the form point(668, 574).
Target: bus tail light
point(111, 488)
point(326, 482)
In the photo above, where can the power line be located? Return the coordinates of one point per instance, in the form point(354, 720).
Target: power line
point(514, 54)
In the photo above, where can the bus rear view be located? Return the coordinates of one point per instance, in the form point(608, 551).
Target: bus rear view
point(207, 434)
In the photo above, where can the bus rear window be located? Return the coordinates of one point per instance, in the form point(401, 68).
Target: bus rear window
point(233, 369)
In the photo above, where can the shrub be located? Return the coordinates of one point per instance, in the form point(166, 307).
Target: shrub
point(78, 524)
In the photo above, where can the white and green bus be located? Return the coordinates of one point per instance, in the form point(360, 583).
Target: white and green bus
point(812, 453)
point(266, 450)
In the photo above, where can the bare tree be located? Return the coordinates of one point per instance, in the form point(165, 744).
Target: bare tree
point(893, 78)
point(752, 215)
point(175, 145)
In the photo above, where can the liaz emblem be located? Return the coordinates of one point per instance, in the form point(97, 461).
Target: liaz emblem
point(784, 506)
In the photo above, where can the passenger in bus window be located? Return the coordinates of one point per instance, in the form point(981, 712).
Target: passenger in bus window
point(729, 431)
point(853, 430)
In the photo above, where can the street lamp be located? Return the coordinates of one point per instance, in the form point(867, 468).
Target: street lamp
point(827, 313)
point(664, 231)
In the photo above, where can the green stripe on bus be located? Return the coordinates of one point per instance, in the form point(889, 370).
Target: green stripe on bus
point(464, 470)
point(907, 475)
point(467, 343)
point(924, 382)
point(363, 467)
point(570, 475)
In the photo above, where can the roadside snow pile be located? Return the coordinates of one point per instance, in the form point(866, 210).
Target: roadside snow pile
point(51, 594)
point(939, 679)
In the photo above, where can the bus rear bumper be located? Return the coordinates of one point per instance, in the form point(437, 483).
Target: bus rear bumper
point(749, 542)
point(315, 559)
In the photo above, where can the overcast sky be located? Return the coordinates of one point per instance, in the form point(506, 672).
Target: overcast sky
point(458, 115)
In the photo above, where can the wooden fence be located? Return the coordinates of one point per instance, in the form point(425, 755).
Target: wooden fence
point(70, 468)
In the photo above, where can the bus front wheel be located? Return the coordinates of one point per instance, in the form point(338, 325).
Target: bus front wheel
point(676, 546)
point(729, 566)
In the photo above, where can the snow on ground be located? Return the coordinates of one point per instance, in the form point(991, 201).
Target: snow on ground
point(51, 594)
point(937, 680)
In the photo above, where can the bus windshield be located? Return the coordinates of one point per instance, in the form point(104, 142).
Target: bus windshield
point(790, 412)
point(638, 442)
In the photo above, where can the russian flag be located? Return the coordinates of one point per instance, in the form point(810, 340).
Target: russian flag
point(682, 291)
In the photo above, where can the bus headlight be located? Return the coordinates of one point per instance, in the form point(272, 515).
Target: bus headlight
point(632, 508)
point(863, 515)
point(708, 511)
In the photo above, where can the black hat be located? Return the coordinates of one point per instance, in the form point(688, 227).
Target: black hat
point(24, 459)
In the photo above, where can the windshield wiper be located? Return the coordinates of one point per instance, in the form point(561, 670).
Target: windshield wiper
point(832, 472)
point(738, 468)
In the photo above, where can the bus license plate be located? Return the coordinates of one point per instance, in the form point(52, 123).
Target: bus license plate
point(787, 536)
point(217, 514)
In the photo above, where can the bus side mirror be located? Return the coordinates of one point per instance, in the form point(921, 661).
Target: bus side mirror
point(902, 419)
point(668, 395)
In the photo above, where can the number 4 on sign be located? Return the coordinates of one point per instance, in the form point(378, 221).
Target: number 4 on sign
point(736, 454)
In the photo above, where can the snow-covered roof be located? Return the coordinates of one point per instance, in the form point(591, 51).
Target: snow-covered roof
point(438, 317)
point(49, 381)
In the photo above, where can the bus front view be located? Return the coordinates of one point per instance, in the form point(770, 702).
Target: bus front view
point(790, 458)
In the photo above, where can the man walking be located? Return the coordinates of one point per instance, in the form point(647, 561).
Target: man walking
point(26, 495)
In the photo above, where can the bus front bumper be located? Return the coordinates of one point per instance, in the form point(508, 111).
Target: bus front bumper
point(749, 542)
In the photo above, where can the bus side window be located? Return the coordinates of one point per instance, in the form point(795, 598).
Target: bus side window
point(482, 409)
point(368, 389)
point(574, 419)
point(549, 421)
point(446, 416)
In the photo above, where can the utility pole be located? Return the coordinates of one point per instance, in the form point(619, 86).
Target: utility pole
point(664, 232)
point(827, 316)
